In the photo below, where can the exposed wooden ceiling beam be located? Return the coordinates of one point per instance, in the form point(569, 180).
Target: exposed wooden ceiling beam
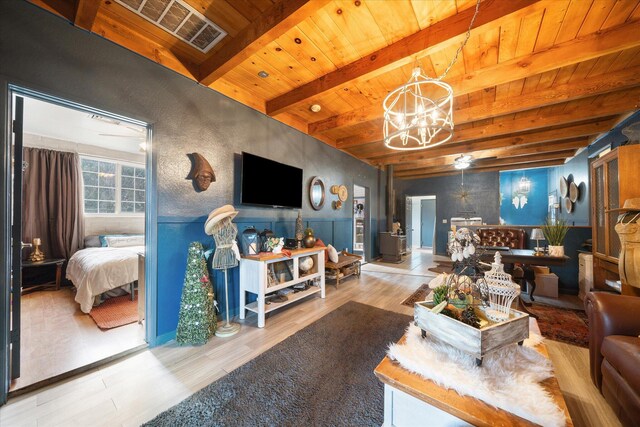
point(271, 24)
point(569, 132)
point(596, 85)
point(507, 161)
point(64, 8)
point(544, 147)
point(531, 165)
point(85, 13)
point(628, 101)
point(399, 53)
point(573, 131)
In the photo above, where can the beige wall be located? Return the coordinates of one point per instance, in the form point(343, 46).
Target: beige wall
point(95, 224)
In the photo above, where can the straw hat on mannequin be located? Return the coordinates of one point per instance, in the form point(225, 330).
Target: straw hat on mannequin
point(218, 215)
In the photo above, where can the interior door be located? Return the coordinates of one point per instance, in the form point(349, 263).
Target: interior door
point(427, 222)
point(408, 220)
point(16, 238)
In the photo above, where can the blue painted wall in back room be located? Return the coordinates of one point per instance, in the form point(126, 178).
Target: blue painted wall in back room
point(43, 52)
point(535, 209)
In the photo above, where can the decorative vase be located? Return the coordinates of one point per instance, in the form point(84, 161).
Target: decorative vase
point(309, 241)
point(556, 251)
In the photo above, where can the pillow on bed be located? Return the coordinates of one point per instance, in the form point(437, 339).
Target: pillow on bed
point(123, 241)
point(92, 242)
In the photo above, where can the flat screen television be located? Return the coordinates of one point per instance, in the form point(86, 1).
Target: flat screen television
point(269, 183)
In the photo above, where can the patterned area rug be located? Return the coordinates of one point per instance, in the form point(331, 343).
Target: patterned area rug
point(558, 324)
point(562, 324)
point(115, 312)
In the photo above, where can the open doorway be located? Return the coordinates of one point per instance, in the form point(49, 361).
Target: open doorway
point(422, 214)
point(79, 213)
point(361, 234)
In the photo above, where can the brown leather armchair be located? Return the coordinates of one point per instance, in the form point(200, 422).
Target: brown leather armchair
point(513, 238)
point(614, 351)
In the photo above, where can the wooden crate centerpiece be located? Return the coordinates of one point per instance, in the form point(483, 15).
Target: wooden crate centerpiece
point(477, 342)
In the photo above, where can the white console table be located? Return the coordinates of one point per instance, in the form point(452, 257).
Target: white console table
point(254, 278)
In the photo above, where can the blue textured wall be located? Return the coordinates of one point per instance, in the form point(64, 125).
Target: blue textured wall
point(576, 170)
point(43, 52)
point(534, 212)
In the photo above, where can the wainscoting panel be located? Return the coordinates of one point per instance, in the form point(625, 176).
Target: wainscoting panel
point(285, 229)
point(322, 230)
point(176, 233)
point(343, 235)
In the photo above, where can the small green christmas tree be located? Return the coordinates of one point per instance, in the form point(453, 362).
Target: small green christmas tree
point(197, 322)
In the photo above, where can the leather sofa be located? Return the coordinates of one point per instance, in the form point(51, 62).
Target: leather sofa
point(614, 352)
point(513, 238)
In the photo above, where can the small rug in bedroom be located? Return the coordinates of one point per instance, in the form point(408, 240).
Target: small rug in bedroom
point(557, 324)
point(320, 376)
point(115, 312)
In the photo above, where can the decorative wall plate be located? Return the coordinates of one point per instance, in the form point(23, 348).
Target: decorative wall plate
point(574, 192)
point(334, 189)
point(337, 204)
point(343, 193)
point(568, 205)
point(564, 187)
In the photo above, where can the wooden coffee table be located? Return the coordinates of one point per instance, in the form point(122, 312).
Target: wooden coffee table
point(409, 397)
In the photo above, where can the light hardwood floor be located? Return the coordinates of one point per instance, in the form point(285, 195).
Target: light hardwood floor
point(136, 389)
point(56, 337)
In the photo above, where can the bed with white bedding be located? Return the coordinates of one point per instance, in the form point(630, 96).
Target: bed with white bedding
point(97, 270)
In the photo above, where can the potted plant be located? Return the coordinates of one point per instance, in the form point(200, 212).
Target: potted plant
point(555, 232)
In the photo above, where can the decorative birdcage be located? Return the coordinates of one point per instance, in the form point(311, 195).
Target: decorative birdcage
point(502, 291)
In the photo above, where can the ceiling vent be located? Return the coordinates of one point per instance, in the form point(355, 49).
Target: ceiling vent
point(180, 19)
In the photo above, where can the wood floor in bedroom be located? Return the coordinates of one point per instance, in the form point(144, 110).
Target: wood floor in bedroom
point(136, 389)
point(56, 337)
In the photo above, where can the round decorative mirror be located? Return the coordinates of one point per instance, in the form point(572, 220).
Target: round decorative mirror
point(316, 193)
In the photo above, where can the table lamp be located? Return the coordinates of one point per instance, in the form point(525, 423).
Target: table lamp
point(537, 235)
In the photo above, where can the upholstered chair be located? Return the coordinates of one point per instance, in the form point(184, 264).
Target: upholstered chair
point(614, 351)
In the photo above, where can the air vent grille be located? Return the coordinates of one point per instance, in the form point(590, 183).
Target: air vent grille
point(180, 19)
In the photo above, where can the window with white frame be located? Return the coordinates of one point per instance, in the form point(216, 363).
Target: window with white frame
point(112, 187)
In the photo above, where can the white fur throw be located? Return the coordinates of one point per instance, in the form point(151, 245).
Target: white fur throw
point(509, 378)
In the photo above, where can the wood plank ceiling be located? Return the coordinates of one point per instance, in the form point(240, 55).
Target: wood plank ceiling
point(536, 81)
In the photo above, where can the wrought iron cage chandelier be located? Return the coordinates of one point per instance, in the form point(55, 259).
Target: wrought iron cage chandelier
point(419, 114)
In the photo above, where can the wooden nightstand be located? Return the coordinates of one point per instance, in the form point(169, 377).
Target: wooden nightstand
point(58, 262)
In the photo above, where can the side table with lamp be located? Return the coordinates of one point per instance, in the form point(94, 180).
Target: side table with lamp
point(537, 235)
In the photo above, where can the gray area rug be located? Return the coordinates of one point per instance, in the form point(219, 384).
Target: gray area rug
point(320, 376)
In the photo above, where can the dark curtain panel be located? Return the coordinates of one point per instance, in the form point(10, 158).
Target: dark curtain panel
point(52, 201)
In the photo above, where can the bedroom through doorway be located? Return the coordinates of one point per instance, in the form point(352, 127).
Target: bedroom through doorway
point(80, 259)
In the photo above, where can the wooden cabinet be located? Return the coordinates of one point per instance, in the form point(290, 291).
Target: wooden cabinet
point(265, 274)
point(614, 179)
